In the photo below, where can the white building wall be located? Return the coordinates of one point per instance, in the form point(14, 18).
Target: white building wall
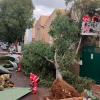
point(28, 36)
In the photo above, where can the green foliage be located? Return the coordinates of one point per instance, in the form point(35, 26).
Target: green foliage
point(78, 82)
point(80, 8)
point(15, 17)
point(67, 2)
point(64, 28)
point(37, 56)
point(65, 33)
point(34, 61)
point(66, 61)
point(84, 6)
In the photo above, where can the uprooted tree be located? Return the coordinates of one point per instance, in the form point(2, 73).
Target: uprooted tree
point(15, 17)
point(65, 35)
point(44, 59)
point(61, 47)
point(59, 55)
point(66, 29)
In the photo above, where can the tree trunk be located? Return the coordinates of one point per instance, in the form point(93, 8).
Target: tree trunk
point(16, 45)
point(58, 74)
point(78, 46)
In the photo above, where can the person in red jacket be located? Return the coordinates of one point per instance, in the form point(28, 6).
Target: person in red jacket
point(19, 66)
point(85, 19)
point(34, 79)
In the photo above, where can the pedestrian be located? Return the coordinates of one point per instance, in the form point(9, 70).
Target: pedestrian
point(95, 17)
point(18, 64)
point(34, 80)
point(3, 79)
point(85, 20)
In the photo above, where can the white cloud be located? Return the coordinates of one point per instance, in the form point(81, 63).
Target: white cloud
point(45, 7)
point(41, 10)
point(50, 3)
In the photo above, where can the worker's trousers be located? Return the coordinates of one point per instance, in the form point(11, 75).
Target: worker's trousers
point(35, 83)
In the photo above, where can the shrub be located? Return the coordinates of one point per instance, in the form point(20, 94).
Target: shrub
point(79, 83)
point(33, 61)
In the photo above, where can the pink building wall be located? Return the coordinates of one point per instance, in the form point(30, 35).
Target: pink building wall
point(42, 26)
point(47, 37)
point(39, 28)
point(33, 30)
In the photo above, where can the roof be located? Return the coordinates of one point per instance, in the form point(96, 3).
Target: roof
point(54, 14)
point(13, 93)
point(63, 11)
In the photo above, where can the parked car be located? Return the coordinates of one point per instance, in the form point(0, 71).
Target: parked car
point(4, 46)
point(1, 43)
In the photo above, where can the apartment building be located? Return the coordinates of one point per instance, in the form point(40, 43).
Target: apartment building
point(42, 26)
point(39, 28)
point(33, 30)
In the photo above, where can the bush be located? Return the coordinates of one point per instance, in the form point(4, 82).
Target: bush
point(33, 61)
point(79, 83)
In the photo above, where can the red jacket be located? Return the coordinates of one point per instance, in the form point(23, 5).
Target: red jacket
point(34, 81)
point(33, 77)
point(86, 18)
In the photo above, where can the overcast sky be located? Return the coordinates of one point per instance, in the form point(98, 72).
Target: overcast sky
point(46, 7)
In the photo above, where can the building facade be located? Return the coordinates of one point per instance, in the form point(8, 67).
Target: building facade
point(39, 28)
point(33, 30)
point(42, 26)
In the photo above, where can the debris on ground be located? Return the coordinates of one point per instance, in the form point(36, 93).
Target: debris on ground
point(60, 89)
point(96, 90)
point(14, 93)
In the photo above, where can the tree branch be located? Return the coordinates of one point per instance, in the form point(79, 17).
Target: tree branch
point(49, 60)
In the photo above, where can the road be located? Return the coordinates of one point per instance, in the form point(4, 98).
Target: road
point(21, 80)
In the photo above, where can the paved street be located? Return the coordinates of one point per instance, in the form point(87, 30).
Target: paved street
point(21, 80)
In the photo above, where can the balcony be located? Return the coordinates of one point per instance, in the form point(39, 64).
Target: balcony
point(93, 27)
